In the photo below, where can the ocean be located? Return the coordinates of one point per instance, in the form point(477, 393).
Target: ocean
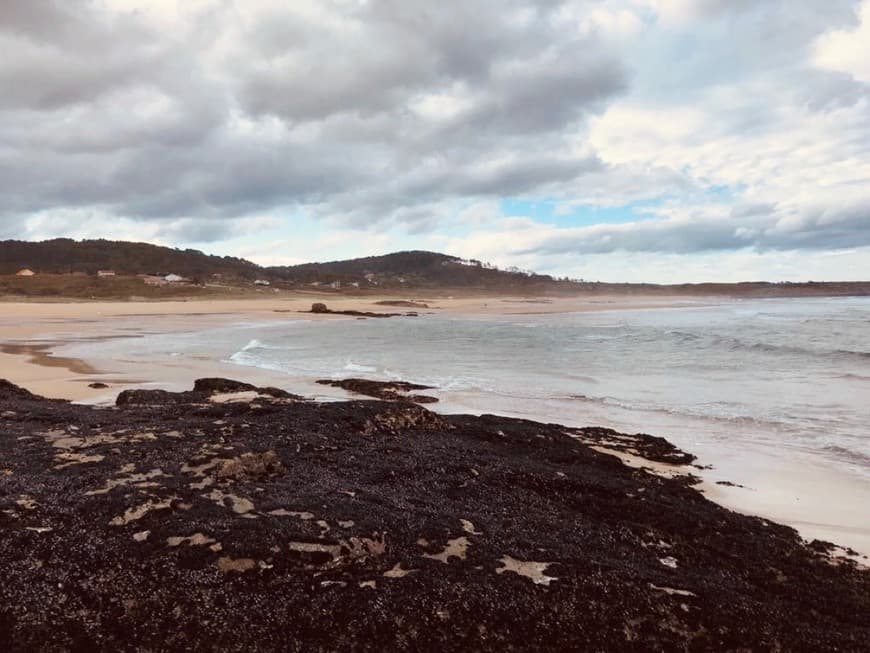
point(772, 376)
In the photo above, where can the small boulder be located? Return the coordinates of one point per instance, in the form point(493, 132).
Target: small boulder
point(215, 385)
point(319, 307)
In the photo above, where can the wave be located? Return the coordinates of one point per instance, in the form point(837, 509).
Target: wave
point(259, 344)
point(736, 344)
point(853, 377)
point(683, 411)
point(350, 366)
point(849, 455)
point(865, 355)
point(684, 336)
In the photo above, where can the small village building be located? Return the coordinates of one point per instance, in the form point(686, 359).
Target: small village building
point(173, 278)
point(262, 282)
point(105, 273)
point(151, 280)
point(26, 272)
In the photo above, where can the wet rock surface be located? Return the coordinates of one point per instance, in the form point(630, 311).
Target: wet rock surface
point(649, 447)
point(320, 307)
point(402, 303)
point(204, 390)
point(388, 390)
point(182, 523)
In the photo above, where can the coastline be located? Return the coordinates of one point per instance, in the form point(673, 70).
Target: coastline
point(818, 500)
point(54, 325)
point(248, 516)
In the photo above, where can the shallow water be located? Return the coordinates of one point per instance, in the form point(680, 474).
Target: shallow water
point(777, 374)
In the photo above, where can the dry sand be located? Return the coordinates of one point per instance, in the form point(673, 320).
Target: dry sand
point(817, 500)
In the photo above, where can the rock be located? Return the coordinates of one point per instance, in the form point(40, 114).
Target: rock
point(402, 303)
point(215, 385)
point(148, 398)
point(98, 385)
point(388, 390)
point(203, 389)
point(401, 418)
point(650, 447)
point(11, 390)
point(319, 307)
point(373, 526)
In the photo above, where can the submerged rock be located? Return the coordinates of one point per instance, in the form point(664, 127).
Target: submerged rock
point(275, 524)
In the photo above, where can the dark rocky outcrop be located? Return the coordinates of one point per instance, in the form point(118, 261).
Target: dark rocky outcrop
point(270, 524)
point(402, 303)
point(388, 390)
point(203, 391)
point(649, 447)
point(213, 386)
point(319, 307)
point(98, 385)
point(11, 391)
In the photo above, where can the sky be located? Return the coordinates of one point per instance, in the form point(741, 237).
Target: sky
point(612, 140)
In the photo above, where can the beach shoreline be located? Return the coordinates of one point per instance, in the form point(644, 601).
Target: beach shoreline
point(825, 507)
point(385, 523)
point(31, 331)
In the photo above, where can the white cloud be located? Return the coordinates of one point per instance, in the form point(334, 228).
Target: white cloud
point(738, 124)
point(847, 50)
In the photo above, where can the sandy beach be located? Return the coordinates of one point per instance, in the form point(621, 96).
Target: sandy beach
point(818, 500)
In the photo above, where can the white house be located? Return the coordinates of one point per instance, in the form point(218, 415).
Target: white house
point(105, 273)
point(173, 278)
point(262, 282)
point(26, 272)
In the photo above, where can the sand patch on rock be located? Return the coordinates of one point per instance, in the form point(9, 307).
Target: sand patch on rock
point(456, 548)
point(238, 505)
point(227, 564)
point(138, 512)
point(526, 568)
point(197, 539)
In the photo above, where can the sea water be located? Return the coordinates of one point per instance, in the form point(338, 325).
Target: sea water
point(781, 375)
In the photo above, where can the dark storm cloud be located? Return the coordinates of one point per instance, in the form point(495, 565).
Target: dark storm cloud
point(103, 112)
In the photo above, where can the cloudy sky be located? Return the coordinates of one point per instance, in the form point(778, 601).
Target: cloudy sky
point(636, 140)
